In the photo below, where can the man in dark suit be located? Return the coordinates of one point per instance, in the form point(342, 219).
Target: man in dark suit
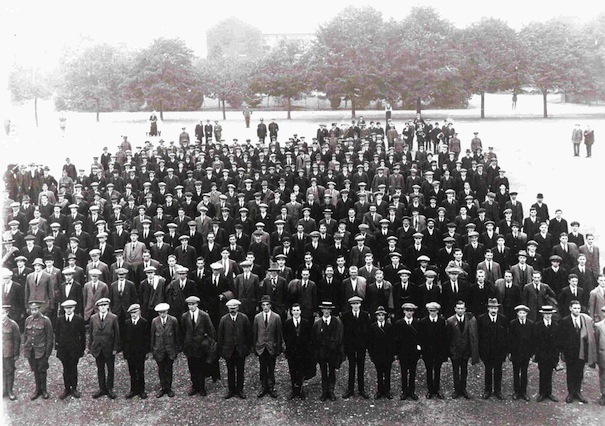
point(297, 338)
point(152, 292)
point(329, 349)
point(246, 289)
point(179, 290)
point(122, 294)
point(572, 292)
point(492, 330)
point(356, 326)
point(407, 343)
point(304, 292)
point(276, 288)
point(536, 294)
point(463, 344)
point(104, 345)
point(578, 346)
point(267, 337)
point(165, 346)
point(433, 334)
point(136, 350)
point(70, 344)
point(234, 342)
point(198, 333)
point(71, 290)
point(12, 294)
point(455, 289)
point(522, 347)
point(547, 351)
point(381, 347)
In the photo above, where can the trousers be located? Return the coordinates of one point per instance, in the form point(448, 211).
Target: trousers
point(165, 373)
point(267, 370)
point(460, 372)
point(235, 373)
point(105, 382)
point(136, 369)
point(357, 360)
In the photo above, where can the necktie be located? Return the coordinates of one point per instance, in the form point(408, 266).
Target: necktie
point(163, 322)
point(37, 278)
point(102, 318)
point(94, 287)
point(266, 320)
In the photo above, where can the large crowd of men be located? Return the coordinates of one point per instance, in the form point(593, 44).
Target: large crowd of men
point(362, 241)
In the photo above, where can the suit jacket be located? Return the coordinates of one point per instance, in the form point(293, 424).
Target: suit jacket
point(596, 301)
point(534, 300)
point(278, 294)
point(491, 275)
point(569, 257)
point(519, 277)
point(328, 341)
point(247, 292)
point(165, 338)
point(194, 334)
point(104, 335)
point(11, 339)
point(70, 337)
point(407, 340)
point(298, 343)
point(214, 297)
point(90, 297)
point(136, 339)
point(75, 293)
point(355, 331)
point(587, 280)
point(381, 344)
point(149, 297)
point(600, 343)
point(234, 337)
point(44, 291)
point(347, 290)
point(16, 300)
point(547, 348)
point(463, 344)
point(101, 267)
point(306, 297)
point(267, 337)
point(432, 338)
point(569, 340)
point(493, 337)
point(522, 340)
point(175, 297)
point(592, 258)
point(121, 302)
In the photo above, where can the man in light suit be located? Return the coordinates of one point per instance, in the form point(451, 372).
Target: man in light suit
point(568, 251)
point(522, 272)
point(268, 338)
point(93, 291)
point(197, 329)
point(592, 254)
point(38, 287)
point(534, 295)
point(600, 343)
point(165, 346)
point(463, 344)
point(353, 286)
point(234, 342)
point(95, 263)
point(133, 250)
point(104, 345)
point(596, 300)
point(492, 269)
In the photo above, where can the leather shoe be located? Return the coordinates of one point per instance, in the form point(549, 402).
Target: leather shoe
point(143, 395)
point(241, 395)
point(525, 398)
point(414, 397)
point(76, 393)
point(192, 391)
point(515, 396)
point(540, 398)
point(552, 398)
point(332, 396)
point(130, 395)
point(272, 393)
point(486, 395)
point(111, 394)
point(98, 394)
point(229, 395)
point(262, 393)
point(439, 395)
point(35, 395)
point(160, 393)
point(466, 395)
point(403, 396)
point(324, 396)
point(64, 395)
point(455, 395)
point(203, 392)
point(170, 393)
point(302, 394)
point(347, 394)
point(388, 395)
point(581, 398)
point(364, 395)
point(11, 396)
point(292, 395)
point(45, 395)
point(569, 399)
point(499, 396)
point(429, 395)
point(378, 395)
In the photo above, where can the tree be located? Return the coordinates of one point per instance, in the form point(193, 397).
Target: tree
point(552, 57)
point(492, 57)
point(92, 79)
point(234, 38)
point(283, 72)
point(28, 83)
point(592, 48)
point(163, 76)
point(423, 60)
point(347, 56)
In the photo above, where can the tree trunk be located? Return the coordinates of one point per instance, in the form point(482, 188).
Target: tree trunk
point(482, 104)
point(418, 106)
point(289, 107)
point(224, 113)
point(36, 109)
point(98, 109)
point(353, 108)
point(544, 94)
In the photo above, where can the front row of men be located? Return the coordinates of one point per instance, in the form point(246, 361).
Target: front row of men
point(327, 342)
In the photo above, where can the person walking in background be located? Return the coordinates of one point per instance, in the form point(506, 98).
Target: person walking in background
point(576, 139)
point(588, 140)
point(247, 113)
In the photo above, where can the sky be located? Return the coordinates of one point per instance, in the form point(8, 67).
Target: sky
point(36, 31)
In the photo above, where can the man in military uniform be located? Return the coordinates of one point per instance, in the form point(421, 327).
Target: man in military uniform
point(70, 344)
point(104, 345)
point(38, 346)
point(11, 344)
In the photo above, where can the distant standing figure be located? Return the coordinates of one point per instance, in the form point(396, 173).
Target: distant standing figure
point(514, 100)
point(7, 126)
point(576, 139)
point(247, 113)
point(588, 141)
point(62, 124)
point(261, 131)
point(218, 131)
point(388, 112)
point(273, 129)
point(153, 120)
point(184, 138)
